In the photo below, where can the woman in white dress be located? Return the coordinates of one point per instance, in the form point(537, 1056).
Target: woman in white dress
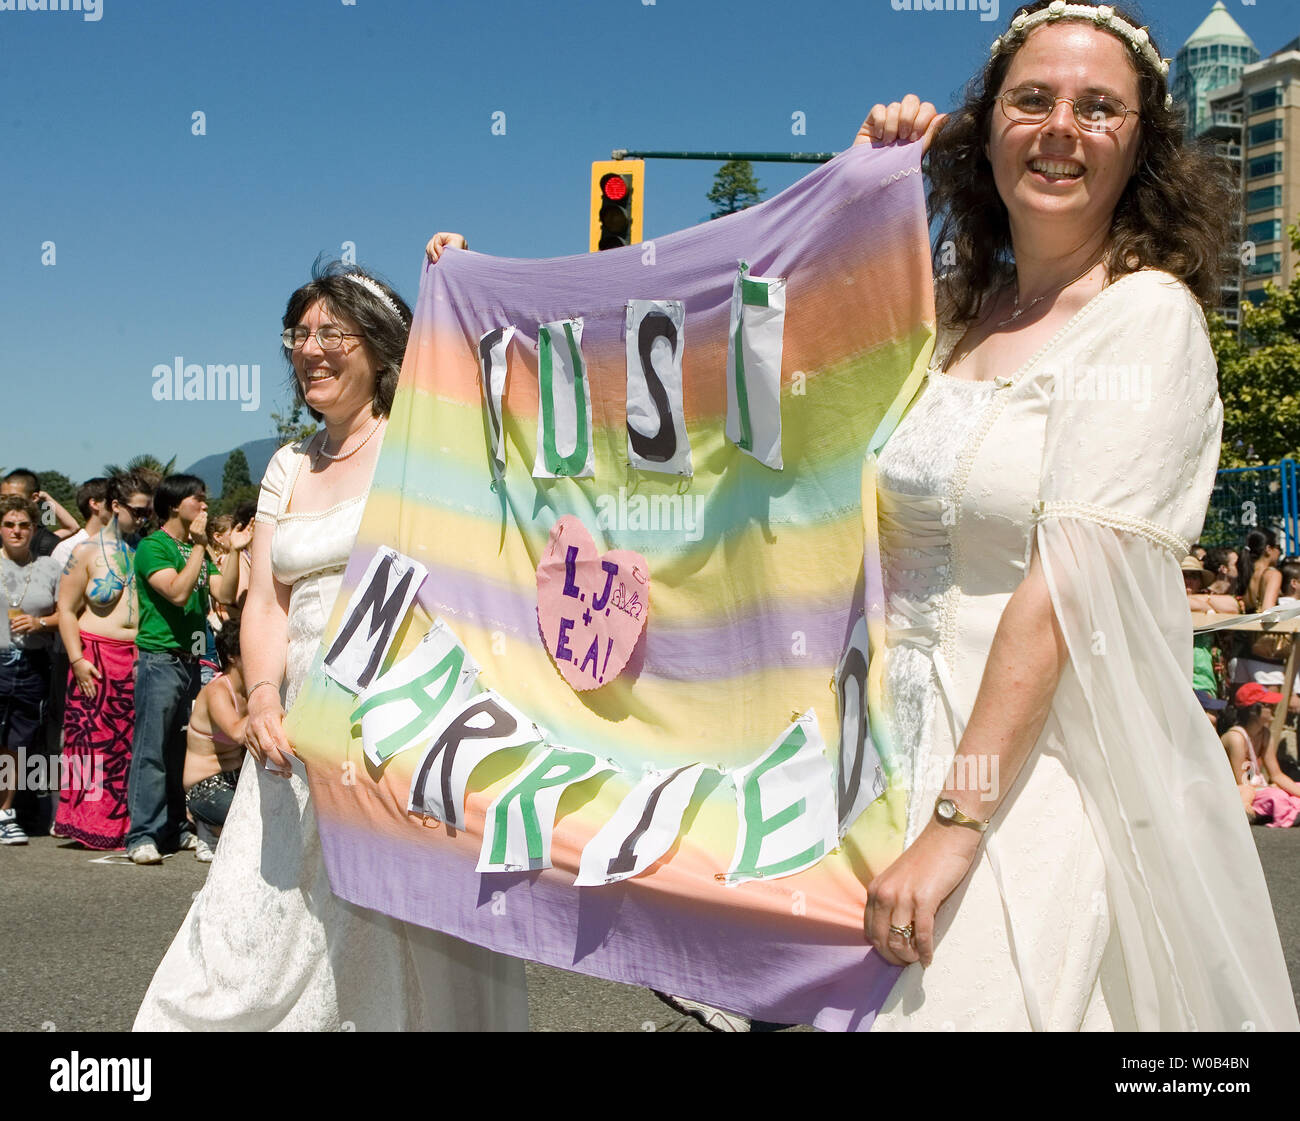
point(1076, 855)
point(266, 944)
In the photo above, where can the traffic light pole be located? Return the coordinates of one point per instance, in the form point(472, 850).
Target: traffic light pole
point(753, 157)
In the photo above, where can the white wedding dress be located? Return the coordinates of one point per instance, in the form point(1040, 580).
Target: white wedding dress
point(1118, 886)
point(266, 944)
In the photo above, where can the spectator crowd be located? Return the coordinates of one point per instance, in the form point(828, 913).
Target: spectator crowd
point(1239, 675)
point(119, 656)
point(119, 659)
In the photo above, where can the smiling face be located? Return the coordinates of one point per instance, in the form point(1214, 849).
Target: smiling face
point(336, 383)
point(1058, 173)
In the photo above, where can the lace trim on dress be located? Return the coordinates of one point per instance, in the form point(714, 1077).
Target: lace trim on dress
point(1114, 519)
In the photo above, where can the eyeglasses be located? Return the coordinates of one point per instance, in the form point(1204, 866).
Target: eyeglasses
point(17, 527)
point(139, 513)
point(328, 337)
point(1095, 112)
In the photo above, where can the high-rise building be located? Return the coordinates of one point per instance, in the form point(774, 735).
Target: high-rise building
point(1213, 56)
point(1259, 113)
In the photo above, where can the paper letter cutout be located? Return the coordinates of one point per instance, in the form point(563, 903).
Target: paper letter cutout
point(642, 829)
point(591, 607)
point(564, 413)
point(493, 368)
point(656, 418)
point(402, 708)
point(754, 366)
point(793, 781)
point(484, 725)
point(859, 775)
point(519, 823)
point(384, 595)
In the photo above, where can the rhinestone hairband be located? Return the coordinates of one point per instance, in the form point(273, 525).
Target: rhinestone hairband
point(372, 287)
point(1102, 15)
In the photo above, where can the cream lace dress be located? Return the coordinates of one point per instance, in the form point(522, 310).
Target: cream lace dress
point(1117, 886)
point(266, 945)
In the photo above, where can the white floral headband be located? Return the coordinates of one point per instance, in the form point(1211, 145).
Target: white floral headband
point(1102, 15)
point(373, 288)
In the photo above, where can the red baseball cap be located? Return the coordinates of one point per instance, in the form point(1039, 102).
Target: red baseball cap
point(1253, 693)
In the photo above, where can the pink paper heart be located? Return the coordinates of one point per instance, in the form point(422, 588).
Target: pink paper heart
point(591, 607)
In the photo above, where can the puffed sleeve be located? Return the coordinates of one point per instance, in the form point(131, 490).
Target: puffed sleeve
point(279, 473)
point(1131, 448)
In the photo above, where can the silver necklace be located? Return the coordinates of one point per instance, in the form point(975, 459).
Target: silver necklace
point(321, 453)
point(1039, 299)
point(16, 598)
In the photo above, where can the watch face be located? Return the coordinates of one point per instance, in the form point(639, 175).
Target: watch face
point(945, 809)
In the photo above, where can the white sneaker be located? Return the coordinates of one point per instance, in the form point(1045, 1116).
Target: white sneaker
point(11, 832)
point(715, 1019)
point(205, 843)
point(146, 852)
point(188, 842)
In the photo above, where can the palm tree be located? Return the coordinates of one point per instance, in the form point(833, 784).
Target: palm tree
point(145, 462)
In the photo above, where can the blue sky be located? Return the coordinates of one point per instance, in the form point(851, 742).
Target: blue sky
point(371, 122)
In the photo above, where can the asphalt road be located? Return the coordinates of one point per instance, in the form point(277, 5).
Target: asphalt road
point(82, 937)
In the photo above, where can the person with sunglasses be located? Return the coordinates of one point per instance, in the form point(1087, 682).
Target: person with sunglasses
point(29, 585)
point(1035, 501)
point(99, 616)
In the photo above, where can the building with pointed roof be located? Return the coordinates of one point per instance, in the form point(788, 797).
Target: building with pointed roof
point(1214, 56)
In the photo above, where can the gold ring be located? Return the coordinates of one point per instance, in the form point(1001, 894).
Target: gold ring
point(903, 931)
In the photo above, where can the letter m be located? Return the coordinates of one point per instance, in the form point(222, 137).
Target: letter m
point(380, 609)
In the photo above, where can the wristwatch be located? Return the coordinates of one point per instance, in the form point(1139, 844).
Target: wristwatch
point(945, 809)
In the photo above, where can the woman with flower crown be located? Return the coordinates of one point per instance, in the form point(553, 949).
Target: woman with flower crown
point(266, 944)
point(1075, 851)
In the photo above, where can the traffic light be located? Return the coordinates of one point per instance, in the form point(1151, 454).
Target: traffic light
point(616, 201)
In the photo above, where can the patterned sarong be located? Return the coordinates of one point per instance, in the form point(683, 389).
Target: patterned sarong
point(96, 758)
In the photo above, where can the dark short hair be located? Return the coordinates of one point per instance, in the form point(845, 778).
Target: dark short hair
point(173, 490)
point(29, 479)
point(92, 490)
point(1290, 571)
point(11, 502)
point(228, 643)
point(245, 512)
point(121, 486)
point(1217, 557)
point(383, 334)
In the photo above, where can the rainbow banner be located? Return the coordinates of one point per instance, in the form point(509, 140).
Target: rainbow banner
point(595, 690)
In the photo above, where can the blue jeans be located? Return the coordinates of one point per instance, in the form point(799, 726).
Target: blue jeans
point(165, 688)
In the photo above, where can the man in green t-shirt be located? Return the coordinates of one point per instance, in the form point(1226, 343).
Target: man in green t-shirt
point(173, 575)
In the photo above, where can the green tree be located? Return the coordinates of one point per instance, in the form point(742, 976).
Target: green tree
point(145, 462)
point(63, 490)
point(290, 427)
point(1259, 376)
point(235, 473)
point(734, 188)
point(236, 485)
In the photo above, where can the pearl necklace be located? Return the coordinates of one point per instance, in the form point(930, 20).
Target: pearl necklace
point(321, 453)
point(1039, 299)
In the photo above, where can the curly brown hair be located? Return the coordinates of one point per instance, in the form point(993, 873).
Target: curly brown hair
point(1170, 216)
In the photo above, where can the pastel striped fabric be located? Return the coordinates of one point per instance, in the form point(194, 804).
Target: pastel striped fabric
point(757, 587)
